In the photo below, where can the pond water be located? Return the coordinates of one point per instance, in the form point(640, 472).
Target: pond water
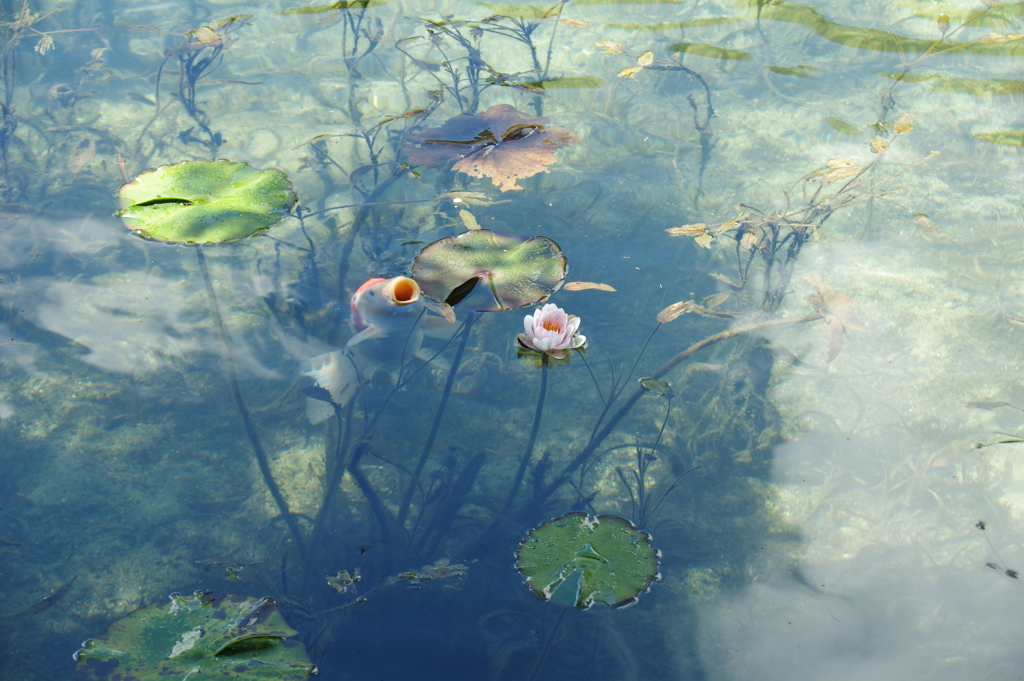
point(830, 476)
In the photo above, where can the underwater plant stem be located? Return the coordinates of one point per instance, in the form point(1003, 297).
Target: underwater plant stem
point(620, 385)
point(236, 392)
point(613, 421)
point(539, 664)
point(467, 326)
point(528, 452)
point(361, 216)
point(341, 462)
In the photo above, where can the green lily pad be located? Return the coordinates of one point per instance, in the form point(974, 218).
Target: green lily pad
point(517, 271)
point(205, 202)
point(578, 560)
point(201, 635)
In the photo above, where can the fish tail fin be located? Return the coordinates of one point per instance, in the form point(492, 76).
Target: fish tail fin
point(337, 374)
point(432, 357)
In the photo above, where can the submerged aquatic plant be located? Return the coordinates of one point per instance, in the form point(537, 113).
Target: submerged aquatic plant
point(501, 143)
point(209, 202)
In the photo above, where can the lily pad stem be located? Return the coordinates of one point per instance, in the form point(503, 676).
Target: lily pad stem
point(539, 664)
point(236, 392)
point(467, 326)
point(528, 452)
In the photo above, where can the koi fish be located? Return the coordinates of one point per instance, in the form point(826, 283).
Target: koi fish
point(389, 324)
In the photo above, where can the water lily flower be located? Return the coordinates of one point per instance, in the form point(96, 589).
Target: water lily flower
point(551, 331)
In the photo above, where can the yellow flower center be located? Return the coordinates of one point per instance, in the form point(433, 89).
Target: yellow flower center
point(552, 326)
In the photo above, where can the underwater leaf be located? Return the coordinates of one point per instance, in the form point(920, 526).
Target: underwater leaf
point(693, 230)
point(842, 126)
point(924, 223)
point(316, 9)
point(981, 87)
point(1013, 138)
point(994, 37)
point(458, 196)
point(610, 47)
point(630, 72)
point(577, 561)
point(659, 388)
point(748, 240)
point(698, 231)
point(674, 310)
point(468, 220)
point(586, 286)
point(988, 406)
point(710, 51)
point(575, 23)
point(837, 310)
point(871, 39)
point(942, 23)
point(839, 173)
point(904, 124)
point(879, 145)
point(715, 300)
point(645, 59)
point(206, 35)
point(670, 25)
point(500, 143)
point(725, 280)
point(513, 271)
point(203, 202)
point(567, 82)
point(801, 71)
point(201, 635)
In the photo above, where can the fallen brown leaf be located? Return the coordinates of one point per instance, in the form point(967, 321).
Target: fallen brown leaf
point(837, 310)
point(586, 285)
point(674, 310)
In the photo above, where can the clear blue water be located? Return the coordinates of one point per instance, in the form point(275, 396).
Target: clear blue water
point(844, 447)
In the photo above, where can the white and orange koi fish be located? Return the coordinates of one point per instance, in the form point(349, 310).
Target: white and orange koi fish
point(389, 323)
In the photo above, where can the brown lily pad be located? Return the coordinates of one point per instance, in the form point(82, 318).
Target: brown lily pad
point(501, 143)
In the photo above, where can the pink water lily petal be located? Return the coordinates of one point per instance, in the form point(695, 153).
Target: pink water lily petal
point(552, 331)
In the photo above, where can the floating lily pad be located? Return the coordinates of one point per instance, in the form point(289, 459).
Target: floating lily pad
point(203, 202)
point(578, 560)
point(501, 143)
point(201, 635)
point(515, 270)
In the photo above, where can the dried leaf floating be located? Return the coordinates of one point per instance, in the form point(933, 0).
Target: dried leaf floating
point(837, 309)
point(674, 310)
point(500, 143)
point(517, 271)
point(587, 286)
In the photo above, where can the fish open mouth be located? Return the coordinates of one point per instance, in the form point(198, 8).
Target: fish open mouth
point(404, 291)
